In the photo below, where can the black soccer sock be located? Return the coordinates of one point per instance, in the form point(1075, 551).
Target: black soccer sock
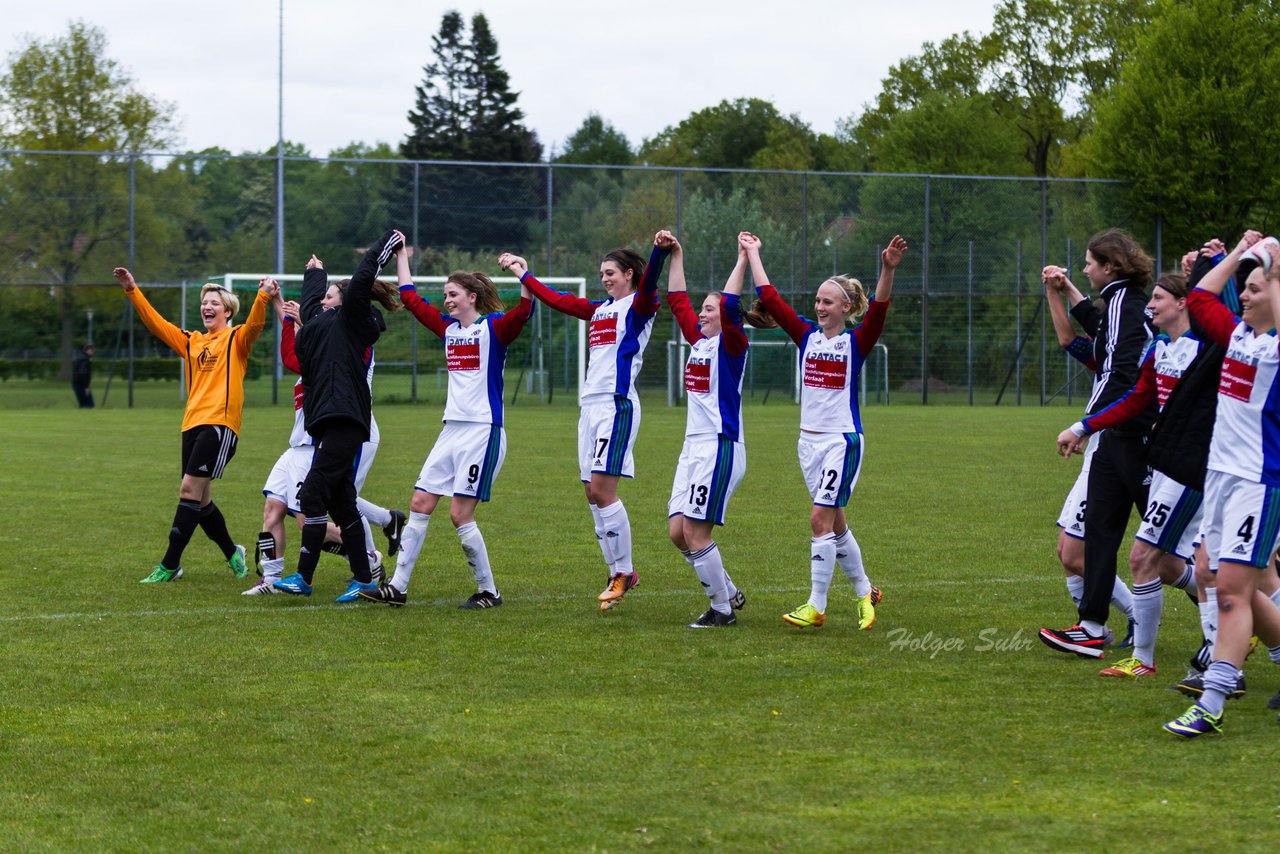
point(309, 555)
point(185, 520)
point(266, 547)
point(338, 548)
point(215, 528)
point(357, 557)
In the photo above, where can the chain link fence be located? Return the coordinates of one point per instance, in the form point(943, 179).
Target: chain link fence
point(968, 324)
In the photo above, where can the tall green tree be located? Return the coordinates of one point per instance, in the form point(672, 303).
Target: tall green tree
point(464, 108)
point(746, 133)
point(1191, 120)
point(597, 142)
point(63, 215)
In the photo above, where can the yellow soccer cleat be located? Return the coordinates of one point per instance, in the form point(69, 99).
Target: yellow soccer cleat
point(806, 615)
point(1128, 667)
point(866, 612)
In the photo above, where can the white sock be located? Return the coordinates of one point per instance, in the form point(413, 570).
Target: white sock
point(1148, 602)
point(1187, 581)
point(822, 560)
point(1275, 597)
point(849, 557)
point(369, 548)
point(710, 568)
point(606, 546)
point(617, 533)
point(730, 589)
point(1075, 589)
point(477, 556)
point(379, 516)
point(1092, 629)
point(415, 532)
point(272, 569)
point(1120, 597)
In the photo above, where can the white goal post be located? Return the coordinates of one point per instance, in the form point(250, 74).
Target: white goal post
point(249, 281)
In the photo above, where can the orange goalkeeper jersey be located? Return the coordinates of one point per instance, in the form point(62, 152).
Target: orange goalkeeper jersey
point(215, 363)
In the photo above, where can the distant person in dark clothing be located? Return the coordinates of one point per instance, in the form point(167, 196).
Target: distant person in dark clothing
point(81, 373)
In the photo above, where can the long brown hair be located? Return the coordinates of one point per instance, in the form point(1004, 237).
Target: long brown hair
point(385, 293)
point(627, 259)
point(488, 300)
point(1117, 247)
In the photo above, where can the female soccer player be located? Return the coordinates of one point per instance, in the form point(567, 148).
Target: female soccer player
point(1119, 270)
point(1242, 487)
point(470, 450)
point(216, 359)
point(610, 419)
point(830, 447)
point(339, 325)
point(289, 472)
point(1166, 538)
point(714, 458)
point(1071, 520)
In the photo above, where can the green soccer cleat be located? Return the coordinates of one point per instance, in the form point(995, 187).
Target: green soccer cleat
point(804, 616)
point(162, 574)
point(237, 564)
point(866, 613)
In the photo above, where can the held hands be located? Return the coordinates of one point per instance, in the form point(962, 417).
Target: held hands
point(269, 286)
point(749, 243)
point(291, 309)
point(1213, 248)
point(513, 264)
point(1054, 277)
point(1189, 262)
point(125, 278)
point(1250, 237)
point(1069, 443)
point(892, 254)
point(666, 240)
point(315, 263)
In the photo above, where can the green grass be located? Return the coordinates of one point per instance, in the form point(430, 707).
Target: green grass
point(183, 716)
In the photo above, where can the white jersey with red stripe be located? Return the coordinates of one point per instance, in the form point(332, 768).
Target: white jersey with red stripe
point(1246, 432)
point(1171, 361)
point(828, 395)
point(474, 357)
point(713, 388)
point(616, 339)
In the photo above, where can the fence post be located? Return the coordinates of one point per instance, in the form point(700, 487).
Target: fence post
point(969, 343)
point(924, 301)
point(1070, 366)
point(804, 228)
point(413, 327)
point(1017, 335)
point(132, 161)
point(1044, 259)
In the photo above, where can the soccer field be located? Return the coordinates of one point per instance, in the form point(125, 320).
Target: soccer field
point(186, 716)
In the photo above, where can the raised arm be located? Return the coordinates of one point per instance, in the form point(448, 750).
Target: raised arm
point(1216, 279)
point(288, 331)
point(171, 335)
point(426, 313)
point(315, 282)
point(677, 294)
point(268, 291)
point(646, 301)
point(785, 316)
point(569, 304)
point(732, 335)
point(890, 258)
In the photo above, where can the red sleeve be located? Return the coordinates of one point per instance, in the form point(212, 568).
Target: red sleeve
point(867, 333)
point(731, 332)
point(563, 303)
point(288, 355)
point(684, 315)
point(785, 315)
point(1214, 318)
point(428, 315)
point(1131, 403)
point(508, 325)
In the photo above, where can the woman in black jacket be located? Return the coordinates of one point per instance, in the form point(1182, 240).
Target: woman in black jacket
point(337, 328)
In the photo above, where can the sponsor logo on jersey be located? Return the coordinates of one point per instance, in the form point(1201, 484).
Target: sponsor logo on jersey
point(697, 376)
point(604, 330)
point(299, 391)
point(207, 360)
point(1237, 378)
point(826, 370)
point(462, 354)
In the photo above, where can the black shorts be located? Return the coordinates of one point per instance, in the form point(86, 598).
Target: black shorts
point(207, 449)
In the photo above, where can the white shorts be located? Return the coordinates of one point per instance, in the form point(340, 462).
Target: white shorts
point(707, 474)
point(291, 470)
point(1241, 520)
point(465, 460)
point(1171, 521)
point(287, 476)
point(607, 433)
point(1071, 519)
point(830, 463)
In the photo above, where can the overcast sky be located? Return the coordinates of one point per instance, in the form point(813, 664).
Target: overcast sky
point(350, 68)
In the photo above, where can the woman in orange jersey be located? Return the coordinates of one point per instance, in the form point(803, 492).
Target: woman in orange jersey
point(215, 359)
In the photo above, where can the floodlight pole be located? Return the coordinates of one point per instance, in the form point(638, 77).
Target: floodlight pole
point(275, 373)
